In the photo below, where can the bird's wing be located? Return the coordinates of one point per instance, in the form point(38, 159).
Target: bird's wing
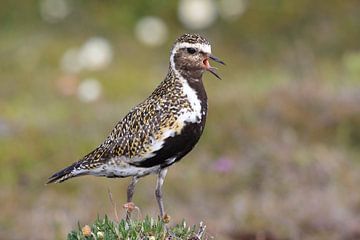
point(142, 131)
point(135, 137)
point(148, 135)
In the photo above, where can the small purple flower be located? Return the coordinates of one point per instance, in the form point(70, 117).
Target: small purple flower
point(223, 165)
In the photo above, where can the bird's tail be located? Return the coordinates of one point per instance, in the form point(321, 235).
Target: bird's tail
point(66, 173)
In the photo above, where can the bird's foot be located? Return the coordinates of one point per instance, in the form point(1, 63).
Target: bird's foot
point(166, 218)
point(129, 208)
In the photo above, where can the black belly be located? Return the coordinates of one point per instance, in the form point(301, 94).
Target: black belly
point(175, 147)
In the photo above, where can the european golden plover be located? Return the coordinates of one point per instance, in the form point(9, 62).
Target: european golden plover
point(159, 131)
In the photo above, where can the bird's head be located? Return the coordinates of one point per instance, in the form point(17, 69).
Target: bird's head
point(190, 56)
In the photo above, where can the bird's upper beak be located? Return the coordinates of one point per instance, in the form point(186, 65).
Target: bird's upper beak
point(210, 68)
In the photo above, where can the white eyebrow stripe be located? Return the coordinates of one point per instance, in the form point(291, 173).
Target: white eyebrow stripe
point(206, 48)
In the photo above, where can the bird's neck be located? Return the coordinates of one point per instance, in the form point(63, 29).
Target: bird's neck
point(194, 80)
point(191, 75)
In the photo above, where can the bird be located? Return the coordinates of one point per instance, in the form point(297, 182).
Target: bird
point(159, 131)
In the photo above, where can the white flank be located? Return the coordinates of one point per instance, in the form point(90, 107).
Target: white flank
point(130, 170)
point(120, 167)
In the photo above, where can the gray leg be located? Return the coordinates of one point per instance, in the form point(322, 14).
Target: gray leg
point(130, 194)
point(158, 191)
point(131, 188)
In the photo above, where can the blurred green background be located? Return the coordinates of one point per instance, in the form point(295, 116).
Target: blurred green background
point(279, 158)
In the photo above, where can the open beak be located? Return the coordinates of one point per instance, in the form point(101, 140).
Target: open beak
point(210, 68)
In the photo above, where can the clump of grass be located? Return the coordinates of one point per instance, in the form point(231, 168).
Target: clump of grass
point(146, 229)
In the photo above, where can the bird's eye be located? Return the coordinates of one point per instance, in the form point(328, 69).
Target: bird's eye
point(191, 50)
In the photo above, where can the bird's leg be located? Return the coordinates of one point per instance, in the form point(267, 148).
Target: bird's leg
point(130, 194)
point(158, 191)
point(131, 188)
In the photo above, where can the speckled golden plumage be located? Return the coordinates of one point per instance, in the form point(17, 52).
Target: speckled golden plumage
point(132, 137)
point(159, 131)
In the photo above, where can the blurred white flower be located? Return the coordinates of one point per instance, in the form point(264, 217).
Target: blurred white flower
point(232, 9)
point(151, 31)
point(95, 54)
point(54, 10)
point(197, 14)
point(89, 90)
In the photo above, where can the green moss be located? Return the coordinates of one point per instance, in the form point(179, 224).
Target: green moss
point(148, 228)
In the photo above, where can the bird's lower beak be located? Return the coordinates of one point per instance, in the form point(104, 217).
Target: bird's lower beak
point(210, 68)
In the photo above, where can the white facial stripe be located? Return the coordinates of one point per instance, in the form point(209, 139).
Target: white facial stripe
point(206, 48)
point(202, 47)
